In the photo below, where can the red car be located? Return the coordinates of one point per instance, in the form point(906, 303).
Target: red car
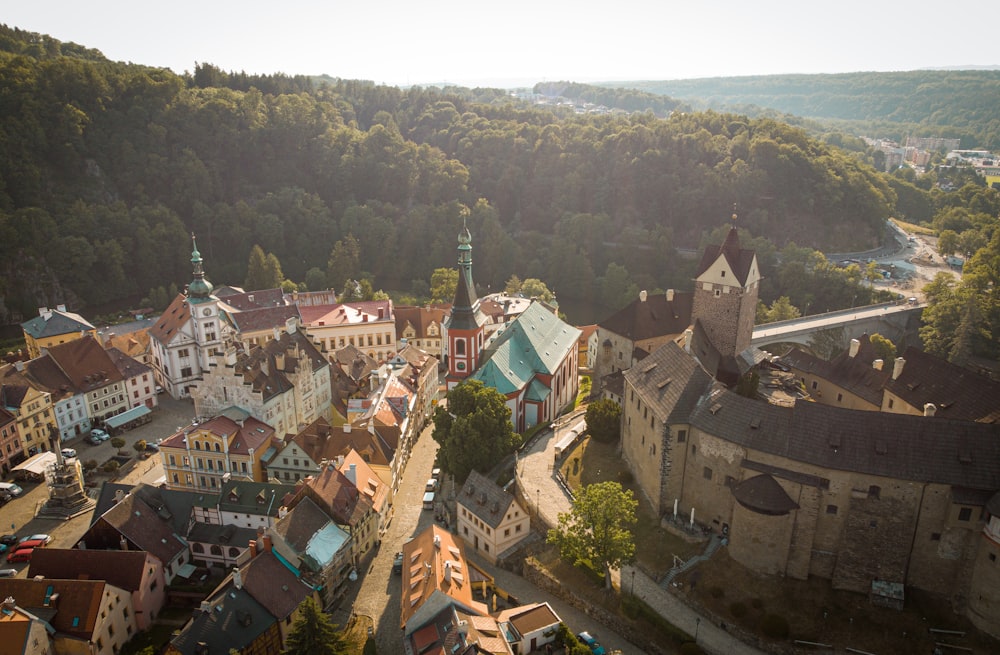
point(20, 555)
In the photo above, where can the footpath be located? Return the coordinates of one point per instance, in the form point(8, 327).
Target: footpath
point(546, 494)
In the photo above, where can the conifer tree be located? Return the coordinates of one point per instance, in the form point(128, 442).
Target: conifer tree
point(313, 633)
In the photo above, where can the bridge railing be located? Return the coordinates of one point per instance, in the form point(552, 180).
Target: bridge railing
point(839, 312)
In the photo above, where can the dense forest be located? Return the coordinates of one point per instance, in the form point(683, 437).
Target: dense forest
point(953, 104)
point(107, 168)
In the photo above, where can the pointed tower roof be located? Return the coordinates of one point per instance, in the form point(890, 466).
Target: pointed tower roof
point(465, 311)
point(199, 289)
point(739, 259)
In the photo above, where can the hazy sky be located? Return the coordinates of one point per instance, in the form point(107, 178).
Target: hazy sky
point(519, 42)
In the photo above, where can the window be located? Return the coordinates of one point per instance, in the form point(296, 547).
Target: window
point(506, 532)
point(874, 492)
point(993, 557)
point(814, 384)
point(890, 403)
point(935, 536)
point(517, 528)
point(707, 473)
point(682, 436)
point(840, 397)
point(831, 509)
point(718, 293)
point(459, 347)
point(186, 372)
point(183, 352)
point(965, 514)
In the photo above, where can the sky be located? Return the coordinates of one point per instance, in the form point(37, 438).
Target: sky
point(517, 42)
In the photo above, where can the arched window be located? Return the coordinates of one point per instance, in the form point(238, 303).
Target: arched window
point(218, 448)
point(460, 347)
point(216, 549)
point(198, 548)
point(234, 551)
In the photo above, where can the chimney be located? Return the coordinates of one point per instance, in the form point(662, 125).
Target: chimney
point(447, 571)
point(437, 541)
point(930, 409)
point(9, 603)
point(19, 365)
point(253, 548)
point(855, 347)
point(237, 578)
point(267, 543)
point(877, 364)
point(352, 474)
point(119, 496)
point(339, 459)
point(123, 543)
point(277, 333)
point(279, 361)
point(897, 368)
point(206, 606)
point(291, 325)
point(688, 337)
point(670, 295)
point(61, 308)
point(347, 428)
point(44, 312)
point(642, 296)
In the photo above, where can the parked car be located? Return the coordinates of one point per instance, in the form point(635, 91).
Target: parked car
point(46, 538)
point(31, 543)
point(100, 434)
point(595, 647)
point(68, 453)
point(397, 563)
point(8, 573)
point(20, 555)
point(432, 485)
point(436, 474)
point(8, 539)
point(152, 447)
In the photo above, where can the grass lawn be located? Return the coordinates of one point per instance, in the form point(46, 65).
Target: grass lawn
point(913, 228)
point(592, 461)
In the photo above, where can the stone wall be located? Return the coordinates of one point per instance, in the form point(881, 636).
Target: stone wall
point(544, 581)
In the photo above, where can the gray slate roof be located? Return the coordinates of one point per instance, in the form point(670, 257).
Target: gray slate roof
point(485, 499)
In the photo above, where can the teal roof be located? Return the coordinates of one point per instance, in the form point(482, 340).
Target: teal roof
point(58, 322)
point(537, 391)
point(535, 343)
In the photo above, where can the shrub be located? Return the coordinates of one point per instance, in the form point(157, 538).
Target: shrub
point(774, 626)
point(111, 466)
point(117, 443)
point(738, 610)
point(716, 592)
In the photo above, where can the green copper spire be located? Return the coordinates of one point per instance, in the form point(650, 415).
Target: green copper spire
point(200, 288)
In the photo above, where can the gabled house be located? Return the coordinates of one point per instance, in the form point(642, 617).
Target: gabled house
point(22, 631)
point(490, 520)
point(54, 326)
point(89, 616)
point(848, 380)
point(303, 454)
point(369, 325)
point(285, 382)
point(353, 510)
point(140, 383)
point(143, 519)
point(68, 403)
point(534, 625)
point(315, 547)
point(454, 630)
point(134, 571)
point(364, 478)
point(422, 327)
point(92, 372)
point(32, 407)
point(10, 448)
point(435, 574)
point(204, 456)
point(251, 504)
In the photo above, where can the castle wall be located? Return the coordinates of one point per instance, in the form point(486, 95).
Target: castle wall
point(760, 542)
point(643, 446)
point(984, 591)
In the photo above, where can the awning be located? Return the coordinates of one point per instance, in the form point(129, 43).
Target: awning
point(126, 417)
point(186, 571)
point(37, 464)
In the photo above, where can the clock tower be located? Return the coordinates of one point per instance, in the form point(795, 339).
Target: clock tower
point(465, 326)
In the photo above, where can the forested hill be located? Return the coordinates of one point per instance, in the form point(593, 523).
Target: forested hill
point(106, 169)
point(957, 104)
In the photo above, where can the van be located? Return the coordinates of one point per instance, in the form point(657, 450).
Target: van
point(432, 485)
point(429, 500)
point(20, 555)
point(11, 488)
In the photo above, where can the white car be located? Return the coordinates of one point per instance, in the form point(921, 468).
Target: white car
point(68, 453)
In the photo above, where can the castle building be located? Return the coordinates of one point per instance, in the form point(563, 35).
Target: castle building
point(855, 497)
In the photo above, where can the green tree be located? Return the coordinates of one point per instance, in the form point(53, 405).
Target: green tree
point(884, 348)
point(604, 420)
point(313, 633)
point(139, 446)
point(117, 443)
point(781, 309)
point(599, 528)
point(473, 430)
point(535, 288)
point(263, 271)
point(444, 281)
point(948, 242)
point(513, 286)
point(344, 262)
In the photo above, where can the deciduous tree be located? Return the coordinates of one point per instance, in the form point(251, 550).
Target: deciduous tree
point(598, 528)
point(604, 420)
point(473, 430)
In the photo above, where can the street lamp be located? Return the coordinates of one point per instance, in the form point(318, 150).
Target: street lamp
point(538, 509)
point(631, 589)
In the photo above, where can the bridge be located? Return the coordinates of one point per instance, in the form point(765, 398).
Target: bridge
point(893, 320)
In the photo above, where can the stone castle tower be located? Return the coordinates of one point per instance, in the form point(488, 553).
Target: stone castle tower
point(725, 294)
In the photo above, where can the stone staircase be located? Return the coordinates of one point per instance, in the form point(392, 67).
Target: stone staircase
point(714, 543)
